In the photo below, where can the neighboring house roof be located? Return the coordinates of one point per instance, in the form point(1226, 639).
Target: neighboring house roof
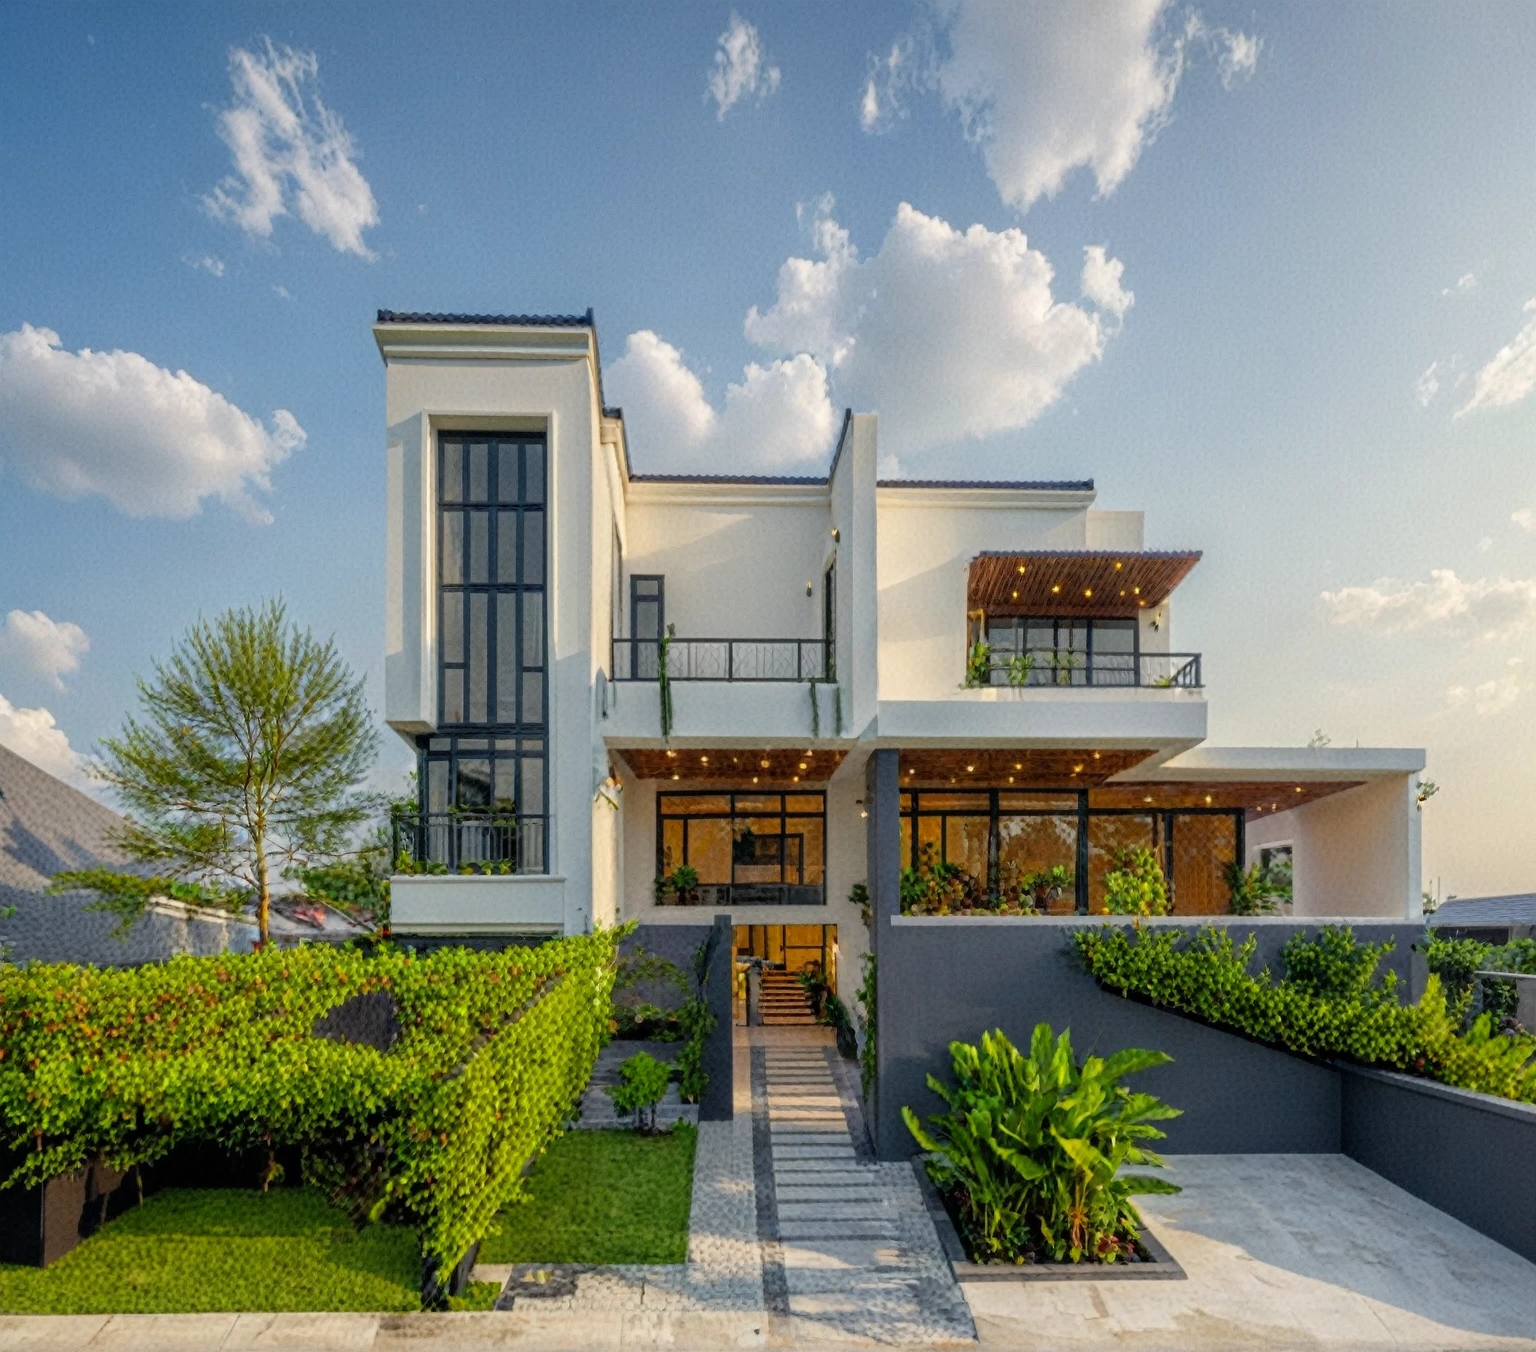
point(304, 919)
point(583, 321)
point(1517, 908)
point(46, 827)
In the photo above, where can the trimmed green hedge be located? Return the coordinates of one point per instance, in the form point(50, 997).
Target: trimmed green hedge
point(494, 1049)
point(1329, 1006)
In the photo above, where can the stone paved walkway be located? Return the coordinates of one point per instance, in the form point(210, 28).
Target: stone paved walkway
point(848, 1249)
point(794, 1226)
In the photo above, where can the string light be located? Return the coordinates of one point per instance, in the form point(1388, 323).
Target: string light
point(1056, 588)
point(1117, 565)
point(703, 760)
point(1087, 591)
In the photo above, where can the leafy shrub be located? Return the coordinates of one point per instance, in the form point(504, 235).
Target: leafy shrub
point(865, 995)
point(125, 895)
point(1329, 1005)
point(1136, 886)
point(643, 1080)
point(128, 1064)
point(353, 885)
point(1254, 890)
point(934, 887)
point(1457, 961)
point(1031, 1150)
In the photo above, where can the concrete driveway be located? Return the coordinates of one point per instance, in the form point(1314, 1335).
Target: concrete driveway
point(1285, 1251)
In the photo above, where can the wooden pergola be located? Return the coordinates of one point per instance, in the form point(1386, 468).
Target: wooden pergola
point(1090, 582)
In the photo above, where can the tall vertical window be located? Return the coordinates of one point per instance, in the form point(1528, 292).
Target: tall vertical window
point(829, 620)
point(491, 572)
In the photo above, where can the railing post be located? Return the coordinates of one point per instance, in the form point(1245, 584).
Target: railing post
point(730, 659)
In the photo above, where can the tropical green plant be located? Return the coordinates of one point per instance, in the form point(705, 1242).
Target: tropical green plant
point(1250, 890)
point(866, 996)
point(250, 750)
point(1136, 886)
point(978, 664)
point(1064, 661)
point(1329, 1004)
point(935, 887)
point(1031, 1151)
point(815, 709)
point(1019, 667)
point(643, 1081)
point(1457, 963)
point(697, 1022)
point(676, 888)
point(858, 895)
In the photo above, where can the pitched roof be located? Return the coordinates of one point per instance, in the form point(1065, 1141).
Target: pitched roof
point(1517, 908)
point(46, 826)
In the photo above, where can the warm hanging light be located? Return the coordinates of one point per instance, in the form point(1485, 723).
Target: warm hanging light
point(1087, 591)
point(1117, 565)
point(1056, 588)
point(1095, 755)
point(1077, 769)
point(676, 776)
point(1017, 765)
point(802, 765)
point(764, 762)
point(1021, 567)
point(1207, 800)
point(703, 760)
point(970, 769)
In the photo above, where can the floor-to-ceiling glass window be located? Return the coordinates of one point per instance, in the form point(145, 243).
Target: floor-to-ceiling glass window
point(483, 777)
point(747, 849)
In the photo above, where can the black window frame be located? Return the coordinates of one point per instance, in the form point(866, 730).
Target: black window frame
point(725, 894)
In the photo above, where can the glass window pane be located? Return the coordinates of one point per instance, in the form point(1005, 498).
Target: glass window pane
point(1037, 802)
point(506, 471)
point(479, 472)
point(1204, 844)
point(531, 800)
point(453, 471)
point(533, 697)
point(1028, 845)
point(473, 789)
point(758, 850)
point(533, 548)
point(506, 782)
point(453, 548)
point(473, 744)
point(506, 546)
point(533, 471)
point(812, 849)
point(671, 846)
point(965, 844)
point(709, 849)
point(808, 802)
point(506, 657)
point(758, 802)
point(437, 786)
point(453, 626)
point(1114, 636)
point(453, 694)
point(479, 643)
point(954, 802)
point(479, 547)
point(533, 629)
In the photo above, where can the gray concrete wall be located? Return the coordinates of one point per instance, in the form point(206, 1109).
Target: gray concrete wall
point(945, 979)
point(679, 944)
point(1471, 1155)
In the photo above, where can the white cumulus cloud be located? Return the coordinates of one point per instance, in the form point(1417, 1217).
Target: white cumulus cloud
point(1488, 697)
point(293, 155)
point(741, 69)
point(34, 735)
point(214, 267)
point(1511, 373)
point(1101, 281)
point(45, 646)
point(947, 334)
point(1524, 517)
point(892, 77)
point(1488, 607)
point(152, 441)
point(778, 417)
point(1427, 386)
point(1466, 282)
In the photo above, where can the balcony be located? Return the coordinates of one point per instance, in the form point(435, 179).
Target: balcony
point(724, 659)
point(721, 895)
point(487, 843)
point(1056, 667)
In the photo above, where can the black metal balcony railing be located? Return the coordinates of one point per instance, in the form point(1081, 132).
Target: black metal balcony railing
point(481, 842)
point(1073, 667)
point(724, 659)
point(749, 894)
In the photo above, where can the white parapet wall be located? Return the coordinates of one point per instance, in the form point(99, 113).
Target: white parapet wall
point(532, 904)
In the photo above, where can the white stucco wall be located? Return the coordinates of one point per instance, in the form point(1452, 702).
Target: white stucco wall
point(1355, 853)
point(927, 539)
point(736, 561)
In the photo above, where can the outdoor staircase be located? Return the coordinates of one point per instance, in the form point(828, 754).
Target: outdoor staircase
point(785, 1000)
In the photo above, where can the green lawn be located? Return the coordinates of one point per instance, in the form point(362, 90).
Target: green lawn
point(602, 1197)
point(217, 1249)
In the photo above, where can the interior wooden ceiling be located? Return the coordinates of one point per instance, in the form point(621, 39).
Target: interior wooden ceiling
point(704, 765)
point(1075, 582)
point(1033, 767)
point(1256, 799)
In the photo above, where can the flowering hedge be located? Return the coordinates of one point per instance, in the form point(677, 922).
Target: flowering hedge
point(1329, 1005)
point(492, 1052)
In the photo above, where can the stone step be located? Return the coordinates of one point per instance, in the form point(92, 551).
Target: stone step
point(816, 1231)
point(874, 1210)
point(860, 1194)
point(815, 1152)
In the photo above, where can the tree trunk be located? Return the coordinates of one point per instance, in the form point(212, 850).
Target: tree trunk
point(263, 895)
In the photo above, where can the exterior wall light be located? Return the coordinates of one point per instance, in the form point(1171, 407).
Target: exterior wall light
point(837, 536)
point(809, 591)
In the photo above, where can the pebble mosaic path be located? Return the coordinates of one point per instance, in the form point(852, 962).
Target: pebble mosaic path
point(794, 1225)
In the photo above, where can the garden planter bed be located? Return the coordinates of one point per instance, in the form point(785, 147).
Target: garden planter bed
point(1156, 1264)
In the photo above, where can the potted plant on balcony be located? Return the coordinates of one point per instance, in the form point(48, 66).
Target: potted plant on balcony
point(978, 664)
point(1020, 665)
point(679, 887)
point(1136, 886)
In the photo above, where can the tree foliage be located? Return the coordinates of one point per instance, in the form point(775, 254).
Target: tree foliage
point(248, 753)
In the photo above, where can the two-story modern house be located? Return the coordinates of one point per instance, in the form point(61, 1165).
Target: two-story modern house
point(637, 695)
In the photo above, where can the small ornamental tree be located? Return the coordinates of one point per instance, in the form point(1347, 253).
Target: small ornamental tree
point(248, 753)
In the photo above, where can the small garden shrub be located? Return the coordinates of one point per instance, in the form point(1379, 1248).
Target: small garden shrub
point(1031, 1152)
point(1456, 962)
point(643, 1080)
point(1329, 1005)
point(866, 996)
point(434, 1133)
point(1136, 886)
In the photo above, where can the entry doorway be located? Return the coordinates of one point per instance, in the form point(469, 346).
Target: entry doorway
point(782, 951)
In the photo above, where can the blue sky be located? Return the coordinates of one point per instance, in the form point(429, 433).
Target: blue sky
point(1313, 361)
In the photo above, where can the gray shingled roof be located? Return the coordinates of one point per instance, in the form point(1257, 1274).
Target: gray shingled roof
point(1517, 908)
